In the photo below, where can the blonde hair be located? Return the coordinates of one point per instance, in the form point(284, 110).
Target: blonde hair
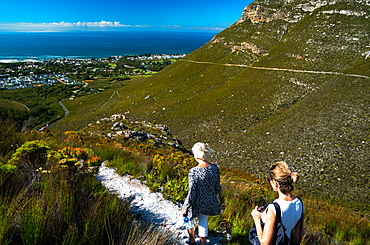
point(201, 150)
point(280, 172)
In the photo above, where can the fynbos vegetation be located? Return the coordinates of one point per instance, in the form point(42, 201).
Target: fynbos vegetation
point(51, 194)
point(288, 81)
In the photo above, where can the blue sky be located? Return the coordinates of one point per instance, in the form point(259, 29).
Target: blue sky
point(49, 15)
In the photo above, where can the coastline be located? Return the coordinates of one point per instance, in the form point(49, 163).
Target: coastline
point(33, 47)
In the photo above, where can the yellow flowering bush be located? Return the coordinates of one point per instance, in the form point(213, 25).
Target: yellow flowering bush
point(93, 161)
point(35, 155)
point(74, 156)
point(33, 152)
point(76, 152)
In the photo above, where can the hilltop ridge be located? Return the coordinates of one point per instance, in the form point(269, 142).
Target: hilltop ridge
point(259, 13)
point(287, 81)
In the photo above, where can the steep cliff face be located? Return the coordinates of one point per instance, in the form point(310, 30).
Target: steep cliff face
point(258, 13)
point(288, 81)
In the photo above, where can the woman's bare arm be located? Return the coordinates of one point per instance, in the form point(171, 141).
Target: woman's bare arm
point(265, 235)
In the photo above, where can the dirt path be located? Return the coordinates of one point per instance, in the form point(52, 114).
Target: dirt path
point(28, 109)
point(278, 69)
point(150, 206)
point(115, 92)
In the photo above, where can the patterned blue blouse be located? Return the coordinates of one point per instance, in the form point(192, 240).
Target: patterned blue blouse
point(204, 185)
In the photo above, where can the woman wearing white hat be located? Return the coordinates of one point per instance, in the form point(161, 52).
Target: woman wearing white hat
point(204, 185)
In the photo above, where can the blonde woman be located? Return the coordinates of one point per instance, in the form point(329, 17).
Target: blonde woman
point(204, 185)
point(281, 180)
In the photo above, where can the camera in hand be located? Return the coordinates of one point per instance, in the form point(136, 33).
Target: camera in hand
point(261, 209)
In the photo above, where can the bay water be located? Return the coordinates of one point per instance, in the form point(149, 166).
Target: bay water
point(28, 46)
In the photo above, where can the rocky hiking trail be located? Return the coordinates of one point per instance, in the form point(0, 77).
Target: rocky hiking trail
point(279, 69)
point(149, 206)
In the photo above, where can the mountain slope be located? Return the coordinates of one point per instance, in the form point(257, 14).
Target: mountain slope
point(288, 81)
point(13, 111)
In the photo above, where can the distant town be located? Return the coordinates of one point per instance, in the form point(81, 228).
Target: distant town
point(30, 81)
point(30, 74)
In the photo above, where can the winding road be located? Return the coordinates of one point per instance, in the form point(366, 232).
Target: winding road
point(66, 112)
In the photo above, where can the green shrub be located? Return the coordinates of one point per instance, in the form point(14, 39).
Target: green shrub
point(33, 153)
point(6, 168)
point(127, 163)
point(177, 189)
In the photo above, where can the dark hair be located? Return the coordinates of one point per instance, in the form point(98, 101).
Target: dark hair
point(280, 172)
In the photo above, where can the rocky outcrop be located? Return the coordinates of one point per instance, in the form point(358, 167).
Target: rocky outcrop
point(248, 46)
point(119, 127)
point(259, 13)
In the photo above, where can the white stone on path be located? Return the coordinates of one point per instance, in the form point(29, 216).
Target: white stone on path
point(150, 206)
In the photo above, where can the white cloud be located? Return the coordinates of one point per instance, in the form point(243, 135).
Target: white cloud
point(88, 26)
point(66, 26)
point(102, 23)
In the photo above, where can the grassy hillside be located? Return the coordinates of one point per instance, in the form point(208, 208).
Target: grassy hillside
point(14, 111)
point(289, 81)
point(49, 193)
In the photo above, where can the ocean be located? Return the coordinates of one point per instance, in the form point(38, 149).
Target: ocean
point(17, 46)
